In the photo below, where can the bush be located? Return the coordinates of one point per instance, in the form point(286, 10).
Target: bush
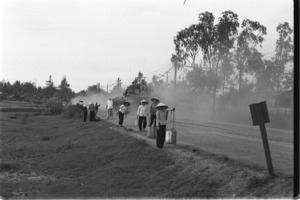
point(73, 111)
point(54, 106)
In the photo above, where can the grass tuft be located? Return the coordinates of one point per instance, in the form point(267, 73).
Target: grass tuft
point(9, 167)
point(64, 147)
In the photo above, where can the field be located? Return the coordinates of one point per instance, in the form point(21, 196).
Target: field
point(47, 156)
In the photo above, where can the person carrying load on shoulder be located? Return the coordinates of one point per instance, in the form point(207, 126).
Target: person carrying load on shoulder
point(122, 111)
point(142, 114)
point(153, 111)
point(161, 120)
point(109, 107)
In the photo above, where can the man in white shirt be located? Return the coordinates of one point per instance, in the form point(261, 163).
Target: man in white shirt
point(109, 107)
point(121, 113)
point(142, 114)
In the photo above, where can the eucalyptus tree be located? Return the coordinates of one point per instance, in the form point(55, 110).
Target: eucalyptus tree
point(186, 44)
point(216, 40)
point(251, 35)
point(256, 67)
point(284, 54)
point(178, 61)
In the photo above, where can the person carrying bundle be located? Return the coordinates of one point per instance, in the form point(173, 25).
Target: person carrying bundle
point(142, 114)
point(161, 121)
point(122, 112)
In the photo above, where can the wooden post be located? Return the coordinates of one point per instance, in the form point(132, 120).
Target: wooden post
point(266, 148)
point(260, 116)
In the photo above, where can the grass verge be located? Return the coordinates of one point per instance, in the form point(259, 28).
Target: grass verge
point(54, 157)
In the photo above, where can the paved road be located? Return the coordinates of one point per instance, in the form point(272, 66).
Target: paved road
point(236, 141)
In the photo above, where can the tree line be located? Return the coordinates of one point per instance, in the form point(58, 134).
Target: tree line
point(229, 59)
point(62, 92)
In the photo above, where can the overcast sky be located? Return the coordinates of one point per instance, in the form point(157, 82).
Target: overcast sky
point(92, 41)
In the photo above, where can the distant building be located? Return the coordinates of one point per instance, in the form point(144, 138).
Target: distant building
point(281, 101)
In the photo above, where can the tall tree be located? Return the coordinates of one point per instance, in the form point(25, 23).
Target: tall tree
point(186, 43)
point(216, 41)
point(251, 35)
point(65, 93)
point(49, 90)
point(284, 54)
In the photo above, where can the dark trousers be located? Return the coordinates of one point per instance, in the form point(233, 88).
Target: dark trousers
point(84, 116)
point(92, 116)
point(161, 136)
point(142, 122)
point(152, 120)
point(121, 118)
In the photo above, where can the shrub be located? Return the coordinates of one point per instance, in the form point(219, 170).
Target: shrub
point(54, 106)
point(73, 111)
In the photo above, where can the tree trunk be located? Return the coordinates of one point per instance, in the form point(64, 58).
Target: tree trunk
point(240, 79)
point(215, 89)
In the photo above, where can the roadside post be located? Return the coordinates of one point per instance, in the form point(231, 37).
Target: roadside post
point(260, 116)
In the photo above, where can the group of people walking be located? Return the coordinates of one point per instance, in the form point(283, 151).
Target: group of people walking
point(157, 112)
point(158, 116)
point(90, 109)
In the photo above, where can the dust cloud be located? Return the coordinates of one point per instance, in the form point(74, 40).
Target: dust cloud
point(195, 106)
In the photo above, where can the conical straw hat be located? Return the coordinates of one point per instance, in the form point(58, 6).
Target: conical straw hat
point(162, 106)
point(154, 98)
point(126, 103)
point(144, 101)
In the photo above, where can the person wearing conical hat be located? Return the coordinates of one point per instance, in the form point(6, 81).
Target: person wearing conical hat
point(142, 114)
point(154, 102)
point(161, 121)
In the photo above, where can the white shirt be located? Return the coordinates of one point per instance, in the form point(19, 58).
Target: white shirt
point(123, 109)
point(142, 110)
point(161, 117)
point(109, 104)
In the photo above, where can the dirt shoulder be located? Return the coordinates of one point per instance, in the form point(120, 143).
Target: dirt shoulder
point(52, 157)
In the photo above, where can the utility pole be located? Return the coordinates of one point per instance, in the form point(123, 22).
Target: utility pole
point(175, 77)
point(167, 77)
point(119, 83)
point(107, 88)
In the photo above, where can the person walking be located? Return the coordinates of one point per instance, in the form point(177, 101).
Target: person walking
point(154, 103)
point(122, 111)
point(97, 107)
point(161, 121)
point(109, 107)
point(142, 114)
point(92, 112)
point(85, 112)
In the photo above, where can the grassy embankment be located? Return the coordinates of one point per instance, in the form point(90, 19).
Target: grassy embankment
point(52, 157)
